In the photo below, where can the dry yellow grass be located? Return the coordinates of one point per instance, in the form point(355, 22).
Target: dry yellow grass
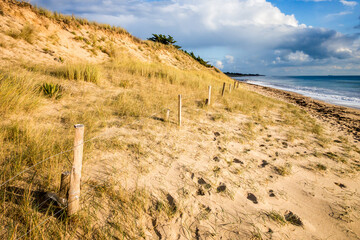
point(126, 93)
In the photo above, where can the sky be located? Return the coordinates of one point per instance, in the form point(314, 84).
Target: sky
point(275, 37)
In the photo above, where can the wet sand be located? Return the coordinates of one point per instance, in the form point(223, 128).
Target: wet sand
point(344, 118)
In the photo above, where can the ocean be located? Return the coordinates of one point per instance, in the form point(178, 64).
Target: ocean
point(338, 90)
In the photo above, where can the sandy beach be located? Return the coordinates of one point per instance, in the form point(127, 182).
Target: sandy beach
point(253, 163)
point(344, 118)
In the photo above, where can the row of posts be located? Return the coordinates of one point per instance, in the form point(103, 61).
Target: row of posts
point(207, 102)
point(70, 181)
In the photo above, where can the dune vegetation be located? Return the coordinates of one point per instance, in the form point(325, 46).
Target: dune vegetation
point(143, 176)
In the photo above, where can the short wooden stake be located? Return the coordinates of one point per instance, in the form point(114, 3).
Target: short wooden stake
point(179, 111)
point(209, 98)
point(167, 118)
point(229, 87)
point(223, 90)
point(235, 84)
point(64, 185)
point(75, 175)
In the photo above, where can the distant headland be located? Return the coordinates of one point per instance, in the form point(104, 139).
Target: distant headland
point(231, 74)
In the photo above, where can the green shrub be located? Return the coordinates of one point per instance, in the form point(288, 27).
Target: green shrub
point(51, 90)
point(169, 40)
point(199, 59)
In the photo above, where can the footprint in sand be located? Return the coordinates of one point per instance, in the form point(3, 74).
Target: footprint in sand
point(238, 161)
point(271, 193)
point(264, 164)
point(252, 198)
point(221, 188)
point(201, 181)
point(216, 159)
point(340, 185)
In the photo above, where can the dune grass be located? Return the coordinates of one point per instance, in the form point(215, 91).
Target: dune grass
point(17, 93)
point(81, 72)
point(125, 89)
point(27, 33)
point(105, 96)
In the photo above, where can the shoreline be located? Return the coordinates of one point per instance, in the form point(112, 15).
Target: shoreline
point(344, 118)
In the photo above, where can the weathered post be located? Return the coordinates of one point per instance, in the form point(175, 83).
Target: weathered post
point(64, 185)
point(75, 175)
point(179, 111)
point(229, 87)
point(223, 90)
point(167, 118)
point(209, 98)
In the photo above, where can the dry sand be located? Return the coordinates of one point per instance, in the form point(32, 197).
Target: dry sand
point(226, 187)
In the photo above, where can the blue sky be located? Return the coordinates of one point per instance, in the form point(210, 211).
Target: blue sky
point(277, 37)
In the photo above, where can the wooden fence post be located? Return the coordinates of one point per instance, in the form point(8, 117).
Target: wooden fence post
point(64, 185)
point(229, 87)
point(234, 84)
point(223, 90)
point(75, 175)
point(179, 111)
point(167, 118)
point(209, 99)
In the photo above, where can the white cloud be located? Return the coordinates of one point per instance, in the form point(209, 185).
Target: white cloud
point(339, 14)
point(219, 64)
point(229, 59)
point(191, 22)
point(248, 29)
point(298, 56)
point(349, 3)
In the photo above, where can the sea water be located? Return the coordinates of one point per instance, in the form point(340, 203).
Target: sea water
point(339, 90)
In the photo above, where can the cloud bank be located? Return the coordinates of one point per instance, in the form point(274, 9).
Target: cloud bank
point(236, 35)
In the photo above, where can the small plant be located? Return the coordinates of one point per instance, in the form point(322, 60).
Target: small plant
point(283, 170)
point(80, 38)
point(276, 217)
point(317, 129)
point(48, 51)
point(216, 171)
point(321, 167)
point(51, 90)
point(293, 219)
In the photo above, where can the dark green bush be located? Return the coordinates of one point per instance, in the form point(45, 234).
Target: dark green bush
point(51, 90)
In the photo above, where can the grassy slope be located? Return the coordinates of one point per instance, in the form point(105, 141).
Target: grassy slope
point(120, 86)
